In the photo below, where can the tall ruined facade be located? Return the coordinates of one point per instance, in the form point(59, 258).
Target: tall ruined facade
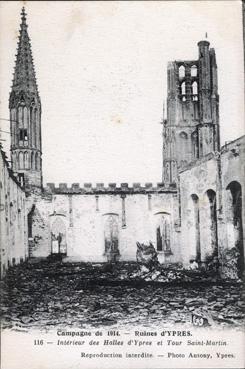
point(192, 126)
point(25, 115)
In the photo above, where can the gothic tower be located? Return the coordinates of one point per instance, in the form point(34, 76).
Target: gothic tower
point(25, 115)
point(192, 126)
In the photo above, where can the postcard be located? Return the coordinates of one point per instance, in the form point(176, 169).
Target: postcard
point(122, 184)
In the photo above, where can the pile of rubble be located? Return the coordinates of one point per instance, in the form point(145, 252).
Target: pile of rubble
point(149, 269)
point(50, 294)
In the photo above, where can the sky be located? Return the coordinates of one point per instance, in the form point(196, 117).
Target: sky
point(101, 69)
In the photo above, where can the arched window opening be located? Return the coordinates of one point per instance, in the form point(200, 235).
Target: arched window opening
point(183, 89)
point(234, 218)
point(181, 71)
point(23, 134)
point(25, 116)
point(183, 144)
point(22, 129)
point(196, 111)
point(194, 91)
point(196, 214)
point(193, 71)
point(163, 233)
point(194, 88)
point(26, 160)
point(30, 221)
point(21, 160)
point(111, 234)
point(194, 145)
point(213, 222)
point(20, 116)
point(22, 100)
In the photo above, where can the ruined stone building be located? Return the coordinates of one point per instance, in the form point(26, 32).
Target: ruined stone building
point(13, 220)
point(195, 212)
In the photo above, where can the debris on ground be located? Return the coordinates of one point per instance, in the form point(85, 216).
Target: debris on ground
point(48, 294)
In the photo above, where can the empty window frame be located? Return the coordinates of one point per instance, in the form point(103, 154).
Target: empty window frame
point(181, 71)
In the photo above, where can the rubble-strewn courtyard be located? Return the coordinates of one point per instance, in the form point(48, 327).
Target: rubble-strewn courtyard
point(48, 294)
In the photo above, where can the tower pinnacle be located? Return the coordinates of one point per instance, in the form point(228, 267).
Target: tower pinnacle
point(24, 71)
point(25, 114)
point(23, 15)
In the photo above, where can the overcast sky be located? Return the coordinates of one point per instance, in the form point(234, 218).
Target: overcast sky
point(101, 72)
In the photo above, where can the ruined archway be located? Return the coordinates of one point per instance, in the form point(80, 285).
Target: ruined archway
point(234, 221)
point(58, 236)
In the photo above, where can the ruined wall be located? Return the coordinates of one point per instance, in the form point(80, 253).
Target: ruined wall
point(39, 236)
point(13, 222)
point(232, 220)
point(195, 181)
point(82, 214)
point(218, 176)
point(232, 163)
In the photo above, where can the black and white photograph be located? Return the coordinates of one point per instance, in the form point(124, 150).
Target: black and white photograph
point(122, 184)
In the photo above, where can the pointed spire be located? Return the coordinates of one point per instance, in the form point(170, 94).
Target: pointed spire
point(24, 73)
point(23, 17)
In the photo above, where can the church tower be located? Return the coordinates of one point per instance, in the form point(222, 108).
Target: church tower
point(208, 128)
point(192, 126)
point(25, 115)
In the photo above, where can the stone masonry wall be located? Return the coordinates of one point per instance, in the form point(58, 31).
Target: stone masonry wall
point(196, 180)
point(13, 221)
point(233, 171)
point(82, 212)
point(216, 172)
